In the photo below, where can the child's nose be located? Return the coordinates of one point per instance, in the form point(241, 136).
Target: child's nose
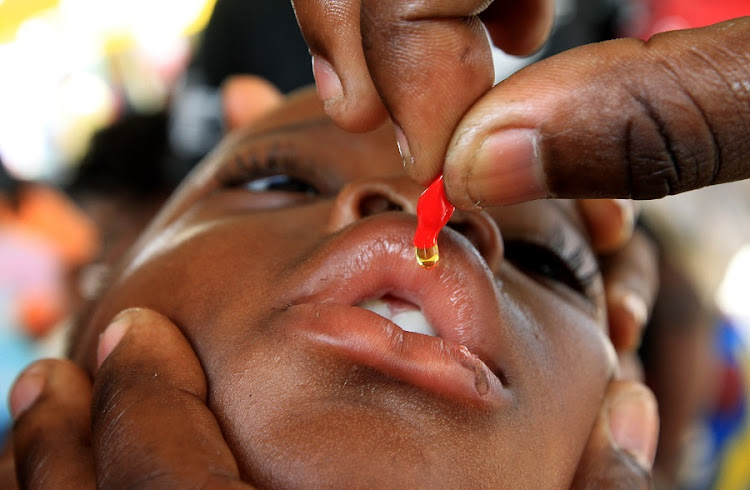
point(367, 197)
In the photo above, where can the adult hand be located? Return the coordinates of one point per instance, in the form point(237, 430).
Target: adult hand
point(629, 265)
point(622, 445)
point(622, 118)
point(146, 425)
point(424, 63)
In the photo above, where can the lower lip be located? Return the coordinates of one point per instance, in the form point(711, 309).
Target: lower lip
point(430, 363)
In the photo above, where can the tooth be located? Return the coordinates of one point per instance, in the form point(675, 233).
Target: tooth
point(376, 306)
point(414, 321)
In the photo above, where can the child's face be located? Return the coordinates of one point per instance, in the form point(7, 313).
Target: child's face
point(263, 276)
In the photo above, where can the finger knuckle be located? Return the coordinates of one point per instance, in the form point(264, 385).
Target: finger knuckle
point(679, 134)
point(655, 168)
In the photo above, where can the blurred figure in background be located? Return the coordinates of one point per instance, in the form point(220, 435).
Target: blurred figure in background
point(697, 366)
point(243, 37)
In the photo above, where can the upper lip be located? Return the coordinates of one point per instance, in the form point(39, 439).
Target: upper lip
point(375, 256)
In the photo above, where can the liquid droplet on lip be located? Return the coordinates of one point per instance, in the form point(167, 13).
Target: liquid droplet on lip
point(428, 257)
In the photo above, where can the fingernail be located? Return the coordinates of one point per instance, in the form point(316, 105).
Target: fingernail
point(610, 222)
point(111, 336)
point(627, 213)
point(636, 307)
point(630, 311)
point(634, 423)
point(27, 389)
point(403, 147)
point(628, 314)
point(507, 169)
point(327, 82)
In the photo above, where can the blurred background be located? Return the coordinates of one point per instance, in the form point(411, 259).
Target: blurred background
point(71, 67)
point(106, 104)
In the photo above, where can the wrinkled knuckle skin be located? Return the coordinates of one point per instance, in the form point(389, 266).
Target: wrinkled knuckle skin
point(663, 158)
point(34, 434)
point(690, 120)
point(31, 470)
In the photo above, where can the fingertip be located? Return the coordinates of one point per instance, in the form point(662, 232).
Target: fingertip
point(352, 101)
point(146, 338)
point(27, 388)
point(120, 325)
point(51, 433)
point(520, 28)
point(634, 423)
point(505, 169)
point(610, 222)
point(628, 312)
point(111, 336)
point(327, 81)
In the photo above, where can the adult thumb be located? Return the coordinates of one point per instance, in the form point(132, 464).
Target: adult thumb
point(623, 118)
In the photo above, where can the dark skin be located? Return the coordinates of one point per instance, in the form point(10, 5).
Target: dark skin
point(664, 116)
point(346, 400)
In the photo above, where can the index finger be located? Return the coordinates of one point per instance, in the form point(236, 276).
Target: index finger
point(426, 62)
point(431, 60)
point(151, 427)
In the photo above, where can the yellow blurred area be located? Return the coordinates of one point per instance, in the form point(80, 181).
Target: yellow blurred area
point(119, 24)
point(14, 12)
point(71, 66)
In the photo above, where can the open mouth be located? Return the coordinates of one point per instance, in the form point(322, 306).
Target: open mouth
point(403, 313)
point(441, 330)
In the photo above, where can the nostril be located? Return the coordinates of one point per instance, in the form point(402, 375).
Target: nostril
point(375, 204)
point(469, 231)
point(482, 231)
point(366, 197)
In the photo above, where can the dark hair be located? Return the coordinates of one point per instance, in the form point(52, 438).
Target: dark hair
point(126, 159)
point(9, 185)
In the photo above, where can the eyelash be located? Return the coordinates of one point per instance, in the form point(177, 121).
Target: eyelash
point(573, 268)
point(248, 167)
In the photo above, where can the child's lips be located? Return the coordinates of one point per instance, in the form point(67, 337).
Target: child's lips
point(365, 338)
point(375, 258)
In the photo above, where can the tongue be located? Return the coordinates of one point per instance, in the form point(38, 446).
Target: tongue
point(410, 318)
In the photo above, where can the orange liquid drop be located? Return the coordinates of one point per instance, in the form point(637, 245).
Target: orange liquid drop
point(427, 257)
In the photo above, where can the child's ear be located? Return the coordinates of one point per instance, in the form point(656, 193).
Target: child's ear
point(245, 98)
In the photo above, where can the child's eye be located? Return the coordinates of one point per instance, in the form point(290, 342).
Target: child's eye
point(282, 183)
point(576, 270)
